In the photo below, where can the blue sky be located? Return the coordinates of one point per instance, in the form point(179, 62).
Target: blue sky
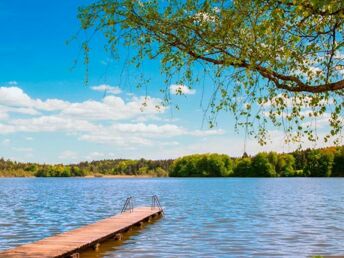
point(48, 114)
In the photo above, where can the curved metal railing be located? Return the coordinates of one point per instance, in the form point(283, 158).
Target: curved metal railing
point(128, 205)
point(156, 203)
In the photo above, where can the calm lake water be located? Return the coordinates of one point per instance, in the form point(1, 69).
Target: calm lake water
point(203, 217)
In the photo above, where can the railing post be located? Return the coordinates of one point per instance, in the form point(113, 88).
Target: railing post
point(128, 204)
point(156, 203)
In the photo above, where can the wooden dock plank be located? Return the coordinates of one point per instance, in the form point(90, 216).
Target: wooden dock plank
point(67, 243)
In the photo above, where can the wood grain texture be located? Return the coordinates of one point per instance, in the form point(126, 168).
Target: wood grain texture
point(74, 241)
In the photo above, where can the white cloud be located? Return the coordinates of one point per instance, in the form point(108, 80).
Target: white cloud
point(122, 134)
point(95, 155)
point(129, 134)
point(114, 123)
point(112, 139)
point(22, 149)
point(114, 108)
point(15, 100)
point(163, 130)
point(6, 141)
point(179, 89)
point(14, 97)
point(112, 120)
point(234, 146)
point(50, 104)
point(47, 124)
point(107, 88)
point(68, 155)
point(5, 129)
point(207, 132)
point(3, 114)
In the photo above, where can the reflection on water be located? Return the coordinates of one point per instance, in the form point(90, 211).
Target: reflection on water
point(203, 217)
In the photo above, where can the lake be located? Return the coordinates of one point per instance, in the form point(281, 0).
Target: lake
point(232, 217)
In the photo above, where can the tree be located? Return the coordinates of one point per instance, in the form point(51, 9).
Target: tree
point(285, 165)
point(243, 168)
point(202, 165)
point(273, 159)
point(75, 171)
point(261, 167)
point(338, 163)
point(67, 172)
point(183, 167)
point(276, 61)
point(300, 158)
point(218, 165)
point(160, 172)
point(319, 164)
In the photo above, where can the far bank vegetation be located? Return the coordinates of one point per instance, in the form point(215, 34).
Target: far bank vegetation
point(326, 162)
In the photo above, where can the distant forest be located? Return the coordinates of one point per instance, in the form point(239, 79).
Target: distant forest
point(323, 162)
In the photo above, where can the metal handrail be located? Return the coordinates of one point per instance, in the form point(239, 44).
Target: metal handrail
point(156, 203)
point(128, 205)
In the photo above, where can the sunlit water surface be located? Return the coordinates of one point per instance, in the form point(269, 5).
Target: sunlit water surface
point(203, 217)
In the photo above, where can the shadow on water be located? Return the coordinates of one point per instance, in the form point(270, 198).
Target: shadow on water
point(110, 246)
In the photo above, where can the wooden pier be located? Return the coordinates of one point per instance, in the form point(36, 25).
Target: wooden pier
point(71, 243)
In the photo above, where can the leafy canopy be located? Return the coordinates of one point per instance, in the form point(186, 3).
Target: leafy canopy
point(278, 62)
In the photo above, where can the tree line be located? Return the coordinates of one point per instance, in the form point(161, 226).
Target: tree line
point(323, 162)
point(140, 167)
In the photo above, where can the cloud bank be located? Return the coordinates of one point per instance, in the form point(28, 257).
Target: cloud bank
point(111, 120)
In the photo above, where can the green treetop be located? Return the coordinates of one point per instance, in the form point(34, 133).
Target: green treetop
point(276, 61)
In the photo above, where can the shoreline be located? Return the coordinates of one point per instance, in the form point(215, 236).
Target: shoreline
point(88, 176)
point(118, 176)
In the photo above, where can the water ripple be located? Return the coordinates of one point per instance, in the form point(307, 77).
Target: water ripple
point(204, 217)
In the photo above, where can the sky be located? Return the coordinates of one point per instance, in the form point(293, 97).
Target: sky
point(49, 115)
